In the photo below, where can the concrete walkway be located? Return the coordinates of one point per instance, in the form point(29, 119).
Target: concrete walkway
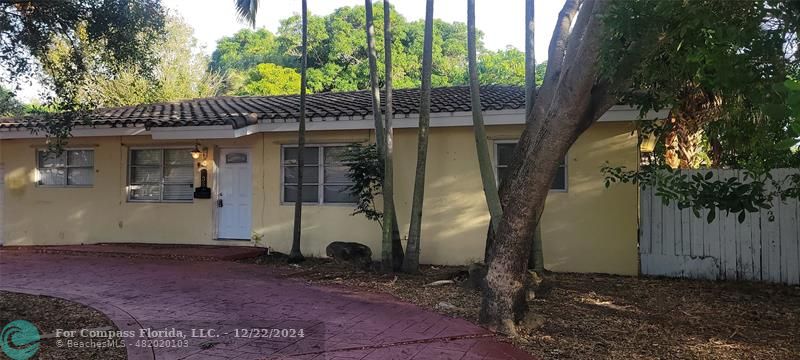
point(223, 301)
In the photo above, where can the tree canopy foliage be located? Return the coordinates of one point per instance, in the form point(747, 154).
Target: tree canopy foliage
point(179, 71)
point(121, 31)
point(730, 83)
point(271, 79)
point(338, 54)
point(506, 67)
point(9, 105)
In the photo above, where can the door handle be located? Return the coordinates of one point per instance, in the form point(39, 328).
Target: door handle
point(219, 203)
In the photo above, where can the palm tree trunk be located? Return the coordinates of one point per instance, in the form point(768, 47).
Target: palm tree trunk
point(536, 262)
point(411, 261)
point(295, 255)
point(391, 234)
point(481, 144)
point(373, 77)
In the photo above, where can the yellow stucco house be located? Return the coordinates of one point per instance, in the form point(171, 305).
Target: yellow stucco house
point(131, 177)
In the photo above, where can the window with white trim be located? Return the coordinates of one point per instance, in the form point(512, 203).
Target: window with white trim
point(73, 168)
point(504, 151)
point(325, 178)
point(160, 175)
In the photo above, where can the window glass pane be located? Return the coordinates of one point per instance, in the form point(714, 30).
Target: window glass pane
point(560, 181)
point(334, 155)
point(80, 176)
point(309, 193)
point(145, 192)
point(235, 158)
point(52, 176)
point(178, 157)
point(48, 160)
point(80, 158)
point(504, 153)
point(178, 191)
point(179, 174)
point(311, 155)
point(146, 157)
point(338, 194)
point(501, 173)
point(147, 174)
point(336, 174)
point(310, 175)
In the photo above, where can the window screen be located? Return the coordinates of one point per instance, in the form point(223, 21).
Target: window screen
point(71, 168)
point(161, 175)
point(324, 175)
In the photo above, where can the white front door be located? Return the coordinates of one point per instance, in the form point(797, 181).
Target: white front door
point(235, 197)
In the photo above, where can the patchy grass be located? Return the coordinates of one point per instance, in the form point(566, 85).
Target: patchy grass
point(590, 316)
point(49, 314)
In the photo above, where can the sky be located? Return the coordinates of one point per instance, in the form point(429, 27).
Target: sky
point(502, 21)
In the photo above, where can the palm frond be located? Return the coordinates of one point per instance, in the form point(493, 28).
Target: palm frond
point(246, 11)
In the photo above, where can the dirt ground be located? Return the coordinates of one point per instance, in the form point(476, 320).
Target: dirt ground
point(591, 316)
point(49, 314)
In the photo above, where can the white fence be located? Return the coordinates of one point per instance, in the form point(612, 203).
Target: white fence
point(676, 243)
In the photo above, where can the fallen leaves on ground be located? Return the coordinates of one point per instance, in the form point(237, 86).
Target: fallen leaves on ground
point(591, 316)
point(48, 314)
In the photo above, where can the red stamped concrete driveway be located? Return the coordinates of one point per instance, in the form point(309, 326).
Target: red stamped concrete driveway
point(231, 298)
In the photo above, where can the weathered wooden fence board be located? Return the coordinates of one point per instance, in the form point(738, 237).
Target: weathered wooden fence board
point(765, 247)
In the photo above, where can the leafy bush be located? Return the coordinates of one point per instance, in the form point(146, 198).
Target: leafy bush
point(365, 170)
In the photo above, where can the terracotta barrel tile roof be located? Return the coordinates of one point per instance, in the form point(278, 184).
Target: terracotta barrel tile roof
point(240, 111)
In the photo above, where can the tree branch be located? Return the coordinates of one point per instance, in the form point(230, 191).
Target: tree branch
point(555, 59)
point(576, 35)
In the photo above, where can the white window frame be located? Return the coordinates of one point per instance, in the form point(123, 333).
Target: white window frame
point(320, 175)
point(66, 167)
point(496, 166)
point(163, 159)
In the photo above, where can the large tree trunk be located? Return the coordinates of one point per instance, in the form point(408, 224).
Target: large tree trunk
point(536, 258)
point(481, 143)
point(411, 261)
point(295, 255)
point(394, 260)
point(578, 99)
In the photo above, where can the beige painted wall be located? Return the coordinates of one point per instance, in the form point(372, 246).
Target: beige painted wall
point(586, 229)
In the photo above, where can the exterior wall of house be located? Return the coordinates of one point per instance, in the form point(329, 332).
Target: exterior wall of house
point(588, 228)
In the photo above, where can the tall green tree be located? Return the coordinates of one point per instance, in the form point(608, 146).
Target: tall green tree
point(125, 31)
point(338, 45)
point(245, 49)
point(238, 55)
point(615, 50)
point(730, 85)
point(180, 71)
point(411, 261)
point(247, 10)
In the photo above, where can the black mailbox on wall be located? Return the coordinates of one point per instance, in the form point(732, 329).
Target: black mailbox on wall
point(203, 192)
